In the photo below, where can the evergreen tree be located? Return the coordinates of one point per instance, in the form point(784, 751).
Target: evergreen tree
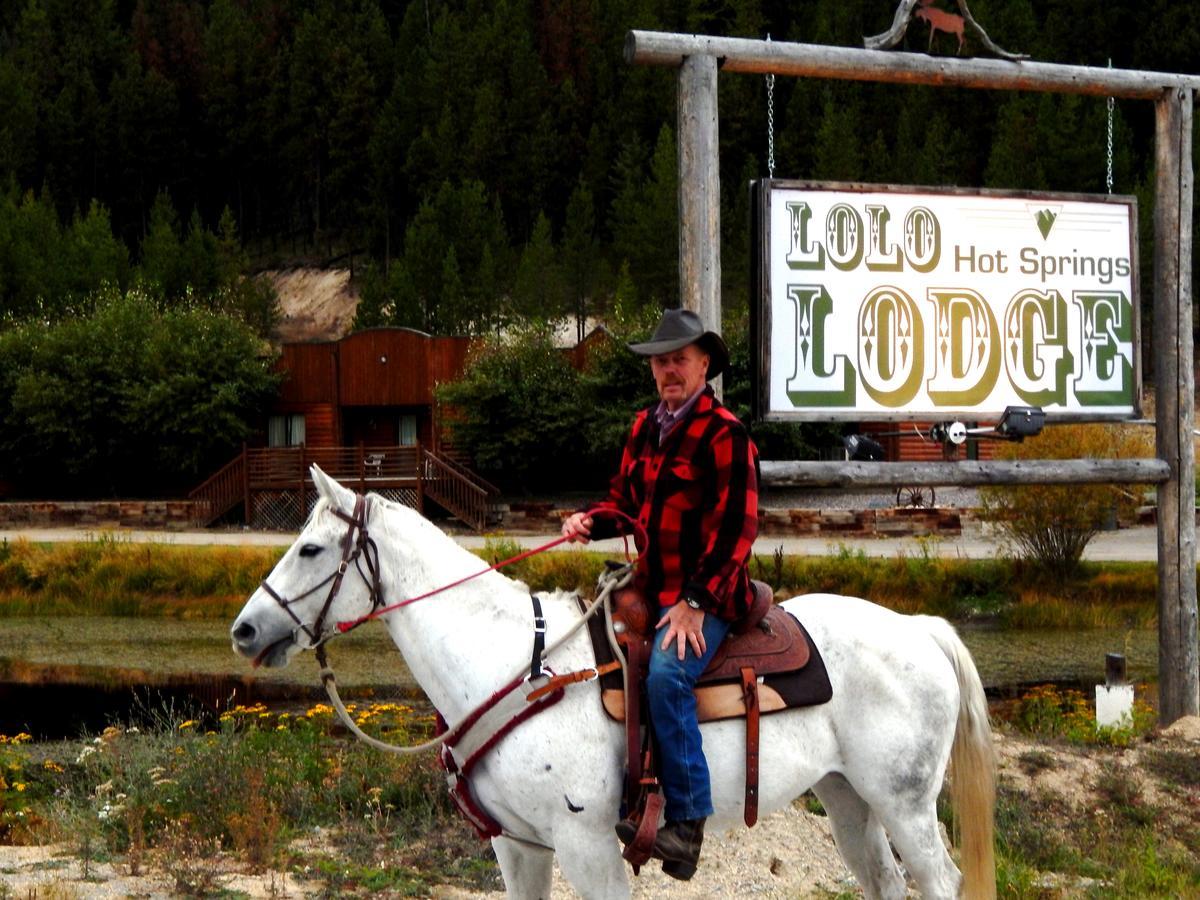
point(837, 156)
point(538, 288)
point(1013, 162)
point(30, 251)
point(581, 255)
point(93, 256)
point(646, 221)
point(161, 268)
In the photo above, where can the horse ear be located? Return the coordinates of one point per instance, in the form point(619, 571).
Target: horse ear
point(330, 489)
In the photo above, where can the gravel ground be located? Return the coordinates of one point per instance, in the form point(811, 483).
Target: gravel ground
point(789, 854)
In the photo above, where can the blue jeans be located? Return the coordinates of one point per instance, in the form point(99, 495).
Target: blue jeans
point(682, 767)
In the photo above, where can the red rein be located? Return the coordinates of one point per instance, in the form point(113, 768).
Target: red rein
point(639, 540)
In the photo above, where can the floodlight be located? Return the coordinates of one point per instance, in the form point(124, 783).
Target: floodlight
point(860, 448)
point(1020, 422)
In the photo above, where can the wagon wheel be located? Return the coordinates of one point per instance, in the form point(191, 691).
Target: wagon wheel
point(915, 496)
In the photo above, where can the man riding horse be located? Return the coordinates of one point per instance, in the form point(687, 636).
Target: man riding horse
point(689, 475)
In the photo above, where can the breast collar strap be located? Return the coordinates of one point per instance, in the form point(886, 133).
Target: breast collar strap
point(357, 547)
point(475, 736)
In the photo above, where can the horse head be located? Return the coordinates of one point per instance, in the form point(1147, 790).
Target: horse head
point(329, 573)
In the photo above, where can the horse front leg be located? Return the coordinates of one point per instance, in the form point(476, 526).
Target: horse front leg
point(590, 859)
point(527, 869)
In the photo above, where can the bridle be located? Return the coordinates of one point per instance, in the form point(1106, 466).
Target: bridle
point(360, 550)
point(363, 549)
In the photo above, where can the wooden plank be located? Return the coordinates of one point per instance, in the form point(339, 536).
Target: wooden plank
point(850, 63)
point(966, 473)
point(1179, 668)
point(699, 192)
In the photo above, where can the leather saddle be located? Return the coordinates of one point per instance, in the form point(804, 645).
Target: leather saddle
point(766, 663)
point(769, 640)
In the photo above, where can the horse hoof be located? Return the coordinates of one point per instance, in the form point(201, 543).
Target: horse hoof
point(681, 870)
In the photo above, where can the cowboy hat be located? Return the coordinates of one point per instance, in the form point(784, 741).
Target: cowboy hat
point(680, 327)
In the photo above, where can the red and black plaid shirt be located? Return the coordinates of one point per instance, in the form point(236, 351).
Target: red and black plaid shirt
point(697, 497)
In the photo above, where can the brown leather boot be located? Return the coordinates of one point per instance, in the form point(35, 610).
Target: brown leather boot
point(678, 845)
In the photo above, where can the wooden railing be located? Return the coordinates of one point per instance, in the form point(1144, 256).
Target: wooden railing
point(223, 491)
point(356, 467)
point(463, 472)
point(453, 487)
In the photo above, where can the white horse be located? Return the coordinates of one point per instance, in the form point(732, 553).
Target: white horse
point(907, 700)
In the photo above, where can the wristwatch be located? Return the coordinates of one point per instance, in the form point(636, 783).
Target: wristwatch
point(692, 602)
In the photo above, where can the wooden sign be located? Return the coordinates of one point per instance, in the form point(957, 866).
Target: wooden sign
point(901, 303)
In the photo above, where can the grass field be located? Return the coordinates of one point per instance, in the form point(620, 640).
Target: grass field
point(109, 577)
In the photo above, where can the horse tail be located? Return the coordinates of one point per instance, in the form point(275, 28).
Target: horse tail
point(972, 767)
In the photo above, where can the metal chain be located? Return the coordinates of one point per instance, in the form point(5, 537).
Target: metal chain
point(770, 123)
point(1111, 104)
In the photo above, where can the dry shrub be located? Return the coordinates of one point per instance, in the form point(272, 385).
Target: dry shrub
point(1050, 524)
point(256, 830)
point(193, 860)
point(47, 890)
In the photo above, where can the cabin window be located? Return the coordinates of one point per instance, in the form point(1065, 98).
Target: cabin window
point(408, 431)
point(285, 431)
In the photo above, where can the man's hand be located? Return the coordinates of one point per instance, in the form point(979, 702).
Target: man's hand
point(686, 626)
point(577, 528)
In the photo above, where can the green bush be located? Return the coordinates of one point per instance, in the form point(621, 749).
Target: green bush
point(1051, 524)
point(132, 399)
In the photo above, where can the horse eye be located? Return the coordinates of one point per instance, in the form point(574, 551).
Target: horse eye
point(310, 550)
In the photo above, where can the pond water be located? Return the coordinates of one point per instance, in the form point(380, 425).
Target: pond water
point(1009, 660)
point(61, 676)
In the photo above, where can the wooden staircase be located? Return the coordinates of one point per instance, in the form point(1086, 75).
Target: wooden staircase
point(222, 491)
point(409, 474)
point(457, 489)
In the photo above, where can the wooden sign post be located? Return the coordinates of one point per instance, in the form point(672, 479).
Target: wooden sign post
point(699, 192)
point(697, 59)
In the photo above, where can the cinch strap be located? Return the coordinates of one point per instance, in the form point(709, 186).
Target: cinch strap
point(539, 638)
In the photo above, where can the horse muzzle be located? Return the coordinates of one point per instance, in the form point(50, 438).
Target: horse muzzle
point(262, 650)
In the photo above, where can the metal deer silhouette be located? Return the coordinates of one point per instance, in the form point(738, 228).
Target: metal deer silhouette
point(938, 21)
